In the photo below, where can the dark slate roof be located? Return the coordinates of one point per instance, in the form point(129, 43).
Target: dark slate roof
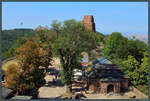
point(93, 75)
point(106, 66)
point(105, 71)
point(104, 60)
point(101, 60)
point(110, 79)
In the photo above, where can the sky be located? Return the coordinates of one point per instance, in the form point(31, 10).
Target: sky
point(124, 17)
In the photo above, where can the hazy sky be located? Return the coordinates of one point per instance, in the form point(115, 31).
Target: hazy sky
point(125, 17)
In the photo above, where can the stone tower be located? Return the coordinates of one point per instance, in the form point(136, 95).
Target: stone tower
point(88, 22)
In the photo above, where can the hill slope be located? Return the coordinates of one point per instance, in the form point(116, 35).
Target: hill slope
point(9, 36)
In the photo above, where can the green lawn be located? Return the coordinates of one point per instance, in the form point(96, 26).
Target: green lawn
point(6, 64)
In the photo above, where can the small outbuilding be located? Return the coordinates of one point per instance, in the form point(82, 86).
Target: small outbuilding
point(107, 77)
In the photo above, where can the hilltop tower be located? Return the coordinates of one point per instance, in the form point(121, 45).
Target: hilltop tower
point(88, 22)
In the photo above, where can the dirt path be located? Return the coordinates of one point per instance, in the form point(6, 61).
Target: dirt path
point(49, 90)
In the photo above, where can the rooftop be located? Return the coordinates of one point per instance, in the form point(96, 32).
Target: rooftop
point(110, 79)
point(104, 68)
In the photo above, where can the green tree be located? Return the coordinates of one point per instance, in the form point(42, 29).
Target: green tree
point(74, 39)
point(137, 48)
point(55, 30)
point(131, 68)
point(101, 37)
point(143, 70)
point(43, 42)
point(116, 46)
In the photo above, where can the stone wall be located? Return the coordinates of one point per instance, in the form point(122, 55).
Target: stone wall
point(105, 85)
point(94, 84)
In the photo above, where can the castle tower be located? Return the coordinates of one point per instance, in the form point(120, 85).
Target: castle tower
point(89, 22)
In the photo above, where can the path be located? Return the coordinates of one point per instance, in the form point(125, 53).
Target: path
point(49, 90)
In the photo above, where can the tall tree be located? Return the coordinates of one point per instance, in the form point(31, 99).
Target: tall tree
point(55, 30)
point(43, 42)
point(72, 41)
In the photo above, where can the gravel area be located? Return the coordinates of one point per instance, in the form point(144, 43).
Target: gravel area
point(50, 91)
point(115, 96)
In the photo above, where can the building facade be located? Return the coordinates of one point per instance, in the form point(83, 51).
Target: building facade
point(107, 78)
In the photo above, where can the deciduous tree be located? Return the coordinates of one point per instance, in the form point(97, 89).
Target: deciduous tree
point(72, 41)
point(116, 46)
point(26, 75)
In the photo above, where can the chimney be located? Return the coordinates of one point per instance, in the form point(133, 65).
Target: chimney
point(88, 22)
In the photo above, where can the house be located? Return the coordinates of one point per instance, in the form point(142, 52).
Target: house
point(106, 77)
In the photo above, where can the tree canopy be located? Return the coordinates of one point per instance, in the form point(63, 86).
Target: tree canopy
point(26, 75)
point(116, 46)
point(73, 39)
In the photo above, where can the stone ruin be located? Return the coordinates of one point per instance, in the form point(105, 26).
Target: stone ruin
point(88, 22)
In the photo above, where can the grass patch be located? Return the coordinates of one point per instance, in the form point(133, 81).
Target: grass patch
point(6, 64)
point(143, 88)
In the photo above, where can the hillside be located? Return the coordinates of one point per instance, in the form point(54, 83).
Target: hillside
point(10, 36)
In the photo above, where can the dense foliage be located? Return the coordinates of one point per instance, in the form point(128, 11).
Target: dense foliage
point(116, 46)
point(25, 76)
point(43, 42)
point(73, 39)
point(136, 48)
point(11, 39)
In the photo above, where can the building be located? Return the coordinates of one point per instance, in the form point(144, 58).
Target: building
point(106, 77)
point(88, 22)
